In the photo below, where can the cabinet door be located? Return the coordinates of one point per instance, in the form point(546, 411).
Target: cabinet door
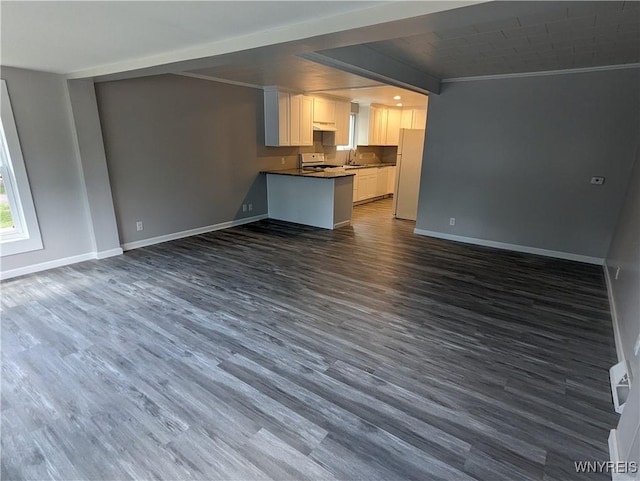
point(295, 119)
point(406, 122)
point(355, 187)
point(393, 126)
point(284, 125)
point(306, 121)
point(372, 183)
point(324, 110)
point(368, 184)
point(419, 119)
point(343, 112)
point(391, 180)
point(378, 129)
point(382, 181)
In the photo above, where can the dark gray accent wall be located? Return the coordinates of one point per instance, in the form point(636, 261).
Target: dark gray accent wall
point(624, 254)
point(182, 153)
point(511, 159)
point(42, 113)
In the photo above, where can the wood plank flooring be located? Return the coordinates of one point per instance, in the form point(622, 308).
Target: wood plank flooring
point(277, 351)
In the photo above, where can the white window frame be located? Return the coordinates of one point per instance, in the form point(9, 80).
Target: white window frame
point(26, 235)
point(352, 134)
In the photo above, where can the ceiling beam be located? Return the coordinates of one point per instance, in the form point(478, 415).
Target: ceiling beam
point(366, 62)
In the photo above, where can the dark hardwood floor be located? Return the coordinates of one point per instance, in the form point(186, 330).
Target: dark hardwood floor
point(277, 351)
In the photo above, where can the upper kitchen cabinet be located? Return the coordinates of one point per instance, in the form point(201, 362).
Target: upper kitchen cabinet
point(343, 114)
point(288, 118)
point(379, 125)
point(324, 111)
point(413, 119)
point(339, 136)
point(393, 127)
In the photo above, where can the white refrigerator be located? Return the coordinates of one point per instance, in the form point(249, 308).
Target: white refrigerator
point(408, 167)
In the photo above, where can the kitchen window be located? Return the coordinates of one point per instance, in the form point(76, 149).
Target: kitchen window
point(19, 231)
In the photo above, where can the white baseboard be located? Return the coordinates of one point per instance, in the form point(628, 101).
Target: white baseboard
point(344, 223)
point(43, 266)
point(512, 247)
point(614, 313)
point(109, 253)
point(191, 232)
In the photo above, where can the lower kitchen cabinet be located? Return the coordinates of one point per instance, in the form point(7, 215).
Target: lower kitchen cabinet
point(391, 180)
point(373, 182)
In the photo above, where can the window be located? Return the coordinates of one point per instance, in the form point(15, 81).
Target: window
point(352, 134)
point(19, 230)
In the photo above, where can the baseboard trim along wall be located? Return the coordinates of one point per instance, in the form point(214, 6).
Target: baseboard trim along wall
point(614, 313)
point(191, 232)
point(344, 223)
point(512, 247)
point(109, 253)
point(43, 266)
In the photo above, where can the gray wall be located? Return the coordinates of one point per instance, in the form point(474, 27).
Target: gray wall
point(182, 153)
point(42, 114)
point(511, 159)
point(625, 254)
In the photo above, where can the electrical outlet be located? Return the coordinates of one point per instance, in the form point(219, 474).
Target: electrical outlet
point(139, 225)
point(597, 180)
point(617, 273)
point(244, 207)
point(250, 207)
point(282, 160)
point(452, 221)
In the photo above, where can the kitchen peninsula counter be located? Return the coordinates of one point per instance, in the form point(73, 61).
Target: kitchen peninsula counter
point(326, 174)
point(319, 199)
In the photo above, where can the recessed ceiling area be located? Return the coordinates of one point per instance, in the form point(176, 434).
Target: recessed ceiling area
point(565, 35)
point(284, 70)
point(383, 95)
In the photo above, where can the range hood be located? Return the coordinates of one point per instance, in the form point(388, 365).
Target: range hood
point(324, 127)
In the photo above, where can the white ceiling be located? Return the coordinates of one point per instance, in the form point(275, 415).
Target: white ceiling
point(65, 37)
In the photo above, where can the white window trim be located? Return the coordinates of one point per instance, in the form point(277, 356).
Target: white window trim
point(27, 238)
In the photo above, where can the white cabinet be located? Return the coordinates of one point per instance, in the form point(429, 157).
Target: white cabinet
point(413, 119)
point(295, 111)
point(367, 183)
point(324, 110)
point(373, 182)
point(391, 180)
point(343, 114)
point(419, 119)
point(379, 125)
point(342, 120)
point(306, 120)
point(356, 179)
point(287, 118)
point(393, 127)
point(382, 180)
